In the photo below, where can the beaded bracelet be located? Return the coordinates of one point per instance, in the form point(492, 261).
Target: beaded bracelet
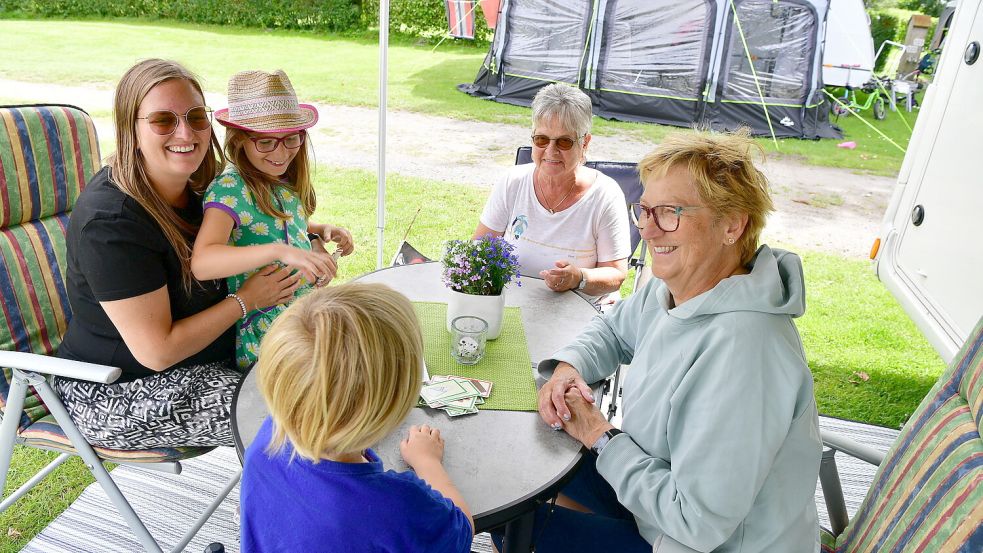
point(241, 303)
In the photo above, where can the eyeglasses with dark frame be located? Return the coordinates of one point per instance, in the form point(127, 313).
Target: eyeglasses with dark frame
point(666, 217)
point(266, 144)
point(164, 122)
point(563, 142)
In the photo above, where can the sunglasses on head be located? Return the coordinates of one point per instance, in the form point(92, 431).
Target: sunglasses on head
point(563, 142)
point(165, 122)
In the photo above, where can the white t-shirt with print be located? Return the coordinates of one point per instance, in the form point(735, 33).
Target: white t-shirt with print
point(593, 230)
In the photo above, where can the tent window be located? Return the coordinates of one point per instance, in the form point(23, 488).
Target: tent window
point(655, 47)
point(546, 39)
point(780, 40)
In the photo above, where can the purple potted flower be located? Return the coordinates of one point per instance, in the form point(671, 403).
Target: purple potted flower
point(477, 272)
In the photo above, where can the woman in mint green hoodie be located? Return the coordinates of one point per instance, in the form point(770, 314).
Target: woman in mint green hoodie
point(719, 447)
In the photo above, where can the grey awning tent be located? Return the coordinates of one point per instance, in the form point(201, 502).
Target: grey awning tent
point(754, 63)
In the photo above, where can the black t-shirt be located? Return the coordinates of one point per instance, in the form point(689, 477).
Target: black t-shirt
point(117, 251)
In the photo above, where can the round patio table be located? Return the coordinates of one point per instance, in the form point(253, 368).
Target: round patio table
point(505, 463)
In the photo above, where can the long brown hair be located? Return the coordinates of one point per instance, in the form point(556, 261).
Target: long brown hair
point(127, 165)
point(297, 177)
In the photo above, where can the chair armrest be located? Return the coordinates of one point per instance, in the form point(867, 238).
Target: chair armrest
point(851, 447)
point(45, 364)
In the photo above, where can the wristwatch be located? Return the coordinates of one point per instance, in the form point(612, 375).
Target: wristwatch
point(601, 442)
point(583, 280)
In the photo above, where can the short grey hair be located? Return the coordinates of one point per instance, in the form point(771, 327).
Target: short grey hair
point(568, 105)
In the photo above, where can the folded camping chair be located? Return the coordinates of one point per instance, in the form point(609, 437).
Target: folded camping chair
point(406, 254)
point(927, 494)
point(47, 154)
point(626, 175)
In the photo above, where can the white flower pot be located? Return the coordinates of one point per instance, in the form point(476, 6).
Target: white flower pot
point(489, 308)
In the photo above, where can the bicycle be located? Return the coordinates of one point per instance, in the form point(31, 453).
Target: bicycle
point(877, 98)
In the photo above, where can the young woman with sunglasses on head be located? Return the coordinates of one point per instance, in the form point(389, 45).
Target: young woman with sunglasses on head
point(135, 303)
point(568, 222)
point(257, 212)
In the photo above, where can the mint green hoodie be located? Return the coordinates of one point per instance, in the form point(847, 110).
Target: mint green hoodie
point(721, 444)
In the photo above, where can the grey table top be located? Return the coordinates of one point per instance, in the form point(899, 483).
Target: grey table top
point(500, 460)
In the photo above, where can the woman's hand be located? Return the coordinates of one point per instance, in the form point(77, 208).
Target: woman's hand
point(553, 406)
point(564, 277)
point(270, 286)
point(586, 423)
point(339, 236)
point(422, 446)
point(318, 268)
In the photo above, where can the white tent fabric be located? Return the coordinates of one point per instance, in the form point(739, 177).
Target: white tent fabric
point(848, 57)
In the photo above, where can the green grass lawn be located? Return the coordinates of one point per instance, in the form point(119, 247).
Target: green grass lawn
point(852, 326)
point(344, 70)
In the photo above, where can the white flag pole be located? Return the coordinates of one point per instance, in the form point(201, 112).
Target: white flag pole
point(383, 78)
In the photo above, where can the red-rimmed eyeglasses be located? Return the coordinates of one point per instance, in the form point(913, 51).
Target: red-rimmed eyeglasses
point(666, 216)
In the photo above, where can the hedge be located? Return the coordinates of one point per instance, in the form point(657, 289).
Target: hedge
point(319, 15)
point(425, 19)
point(892, 24)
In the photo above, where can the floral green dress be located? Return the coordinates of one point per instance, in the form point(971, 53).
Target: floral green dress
point(228, 192)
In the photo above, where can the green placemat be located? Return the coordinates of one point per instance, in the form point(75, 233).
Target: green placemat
point(506, 362)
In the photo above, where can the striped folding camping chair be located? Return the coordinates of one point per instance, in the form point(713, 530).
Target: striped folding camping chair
point(927, 494)
point(47, 154)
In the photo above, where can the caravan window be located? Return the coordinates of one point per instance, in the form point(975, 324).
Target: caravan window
point(655, 47)
point(780, 41)
point(546, 39)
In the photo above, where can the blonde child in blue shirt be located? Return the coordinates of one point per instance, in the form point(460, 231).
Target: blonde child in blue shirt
point(340, 369)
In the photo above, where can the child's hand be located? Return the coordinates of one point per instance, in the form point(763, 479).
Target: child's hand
point(422, 446)
point(318, 268)
point(269, 286)
point(341, 237)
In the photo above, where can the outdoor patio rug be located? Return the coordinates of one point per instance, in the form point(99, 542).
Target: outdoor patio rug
point(168, 504)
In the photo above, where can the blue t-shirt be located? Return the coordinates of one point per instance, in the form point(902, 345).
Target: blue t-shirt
point(329, 506)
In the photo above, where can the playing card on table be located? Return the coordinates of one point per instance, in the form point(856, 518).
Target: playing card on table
point(439, 393)
point(458, 412)
point(456, 395)
point(484, 386)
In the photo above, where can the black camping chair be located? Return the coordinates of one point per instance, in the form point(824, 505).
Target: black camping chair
point(625, 173)
point(406, 254)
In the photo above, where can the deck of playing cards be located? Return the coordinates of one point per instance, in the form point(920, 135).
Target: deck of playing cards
point(456, 395)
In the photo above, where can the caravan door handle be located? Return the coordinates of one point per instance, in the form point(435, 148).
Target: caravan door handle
point(972, 53)
point(917, 215)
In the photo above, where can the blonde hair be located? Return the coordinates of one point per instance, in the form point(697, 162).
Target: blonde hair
point(340, 368)
point(127, 165)
point(722, 166)
point(297, 176)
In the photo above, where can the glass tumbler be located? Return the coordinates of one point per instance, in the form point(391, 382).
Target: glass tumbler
point(468, 336)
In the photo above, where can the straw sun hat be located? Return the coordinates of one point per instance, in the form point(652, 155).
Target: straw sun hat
point(265, 102)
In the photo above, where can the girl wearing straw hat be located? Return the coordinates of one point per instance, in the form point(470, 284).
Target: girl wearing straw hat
point(257, 212)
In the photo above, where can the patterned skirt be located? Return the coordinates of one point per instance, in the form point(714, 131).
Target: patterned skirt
point(188, 406)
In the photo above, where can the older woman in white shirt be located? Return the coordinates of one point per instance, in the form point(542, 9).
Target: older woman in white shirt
point(569, 223)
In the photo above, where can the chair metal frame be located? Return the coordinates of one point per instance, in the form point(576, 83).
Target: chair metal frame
point(34, 370)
